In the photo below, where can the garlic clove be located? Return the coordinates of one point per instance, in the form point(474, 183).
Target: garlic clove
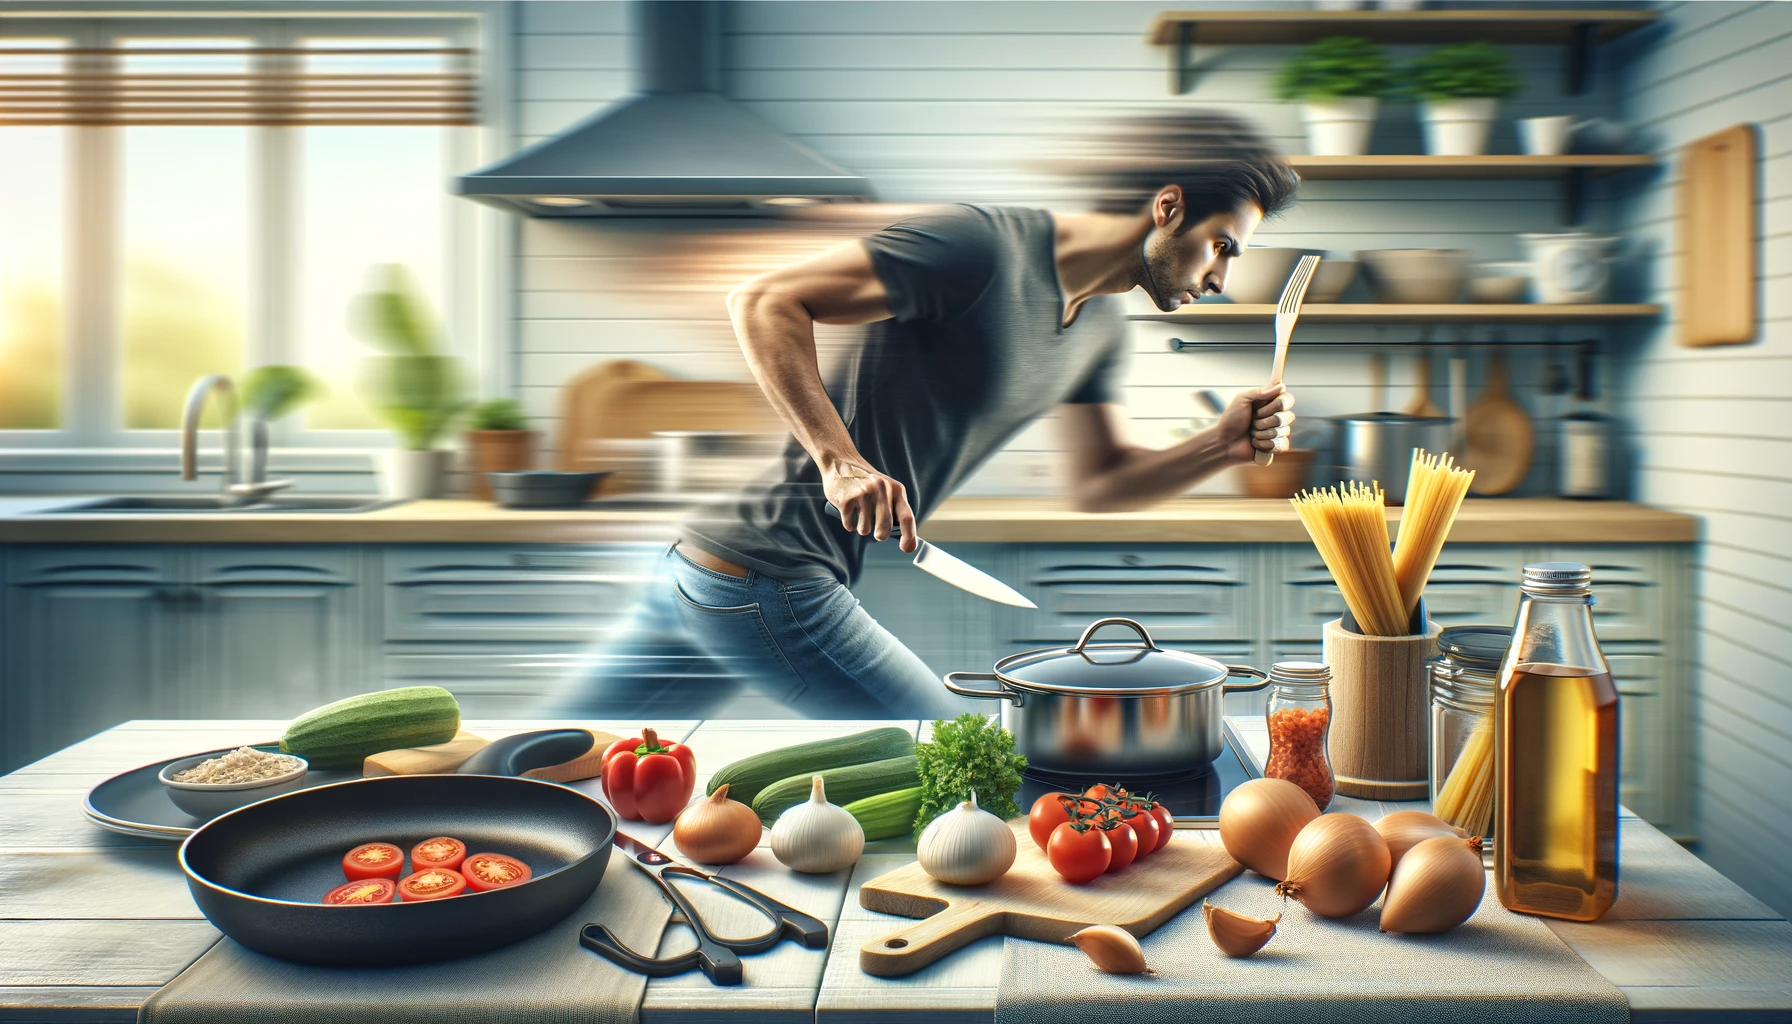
point(1112, 949)
point(1235, 934)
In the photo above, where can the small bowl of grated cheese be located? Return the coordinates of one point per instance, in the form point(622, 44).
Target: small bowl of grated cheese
point(210, 784)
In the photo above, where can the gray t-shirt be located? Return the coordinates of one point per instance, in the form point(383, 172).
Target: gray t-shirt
point(973, 352)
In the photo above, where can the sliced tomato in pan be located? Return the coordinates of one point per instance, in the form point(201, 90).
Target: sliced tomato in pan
point(431, 884)
point(440, 852)
point(486, 871)
point(373, 860)
point(365, 892)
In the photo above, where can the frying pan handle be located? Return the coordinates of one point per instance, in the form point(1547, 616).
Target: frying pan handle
point(955, 683)
point(514, 755)
point(1245, 670)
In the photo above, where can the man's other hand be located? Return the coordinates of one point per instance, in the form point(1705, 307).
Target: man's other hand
point(1257, 421)
point(870, 503)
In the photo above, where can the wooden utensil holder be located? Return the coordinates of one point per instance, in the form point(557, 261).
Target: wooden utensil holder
point(1380, 710)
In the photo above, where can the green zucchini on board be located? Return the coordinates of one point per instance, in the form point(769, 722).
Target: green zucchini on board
point(844, 785)
point(342, 734)
point(747, 776)
point(887, 815)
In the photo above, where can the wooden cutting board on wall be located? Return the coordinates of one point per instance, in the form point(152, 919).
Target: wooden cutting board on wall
point(582, 402)
point(1718, 258)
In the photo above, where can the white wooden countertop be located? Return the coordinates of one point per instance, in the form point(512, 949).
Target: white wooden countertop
point(92, 922)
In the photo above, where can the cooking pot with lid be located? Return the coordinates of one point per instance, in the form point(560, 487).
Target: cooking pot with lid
point(1106, 710)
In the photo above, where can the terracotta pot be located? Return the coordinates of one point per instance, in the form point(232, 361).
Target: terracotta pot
point(497, 451)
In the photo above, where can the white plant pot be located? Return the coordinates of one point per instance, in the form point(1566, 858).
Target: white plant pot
point(1457, 127)
point(408, 474)
point(1340, 126)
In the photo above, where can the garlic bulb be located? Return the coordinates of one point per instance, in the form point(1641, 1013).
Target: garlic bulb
point(1112, 949)
point(816, 837)
point(966, 846)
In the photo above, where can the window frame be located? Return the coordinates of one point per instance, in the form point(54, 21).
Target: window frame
point(477, 297)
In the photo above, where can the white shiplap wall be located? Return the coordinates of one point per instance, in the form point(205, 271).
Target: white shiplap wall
point(943, 102)
point(1713, 427)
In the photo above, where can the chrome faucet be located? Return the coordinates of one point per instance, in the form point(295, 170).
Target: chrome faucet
point(231, 491)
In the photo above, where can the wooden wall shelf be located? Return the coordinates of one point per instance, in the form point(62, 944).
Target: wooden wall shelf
point(1580, 30)
point(1405, 313)
point(1415, 166)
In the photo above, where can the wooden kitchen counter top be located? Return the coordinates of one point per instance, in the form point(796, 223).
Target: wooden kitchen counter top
point(961, 520)
point(92, 923)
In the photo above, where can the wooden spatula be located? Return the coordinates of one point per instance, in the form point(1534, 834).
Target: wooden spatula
point(1288, 311)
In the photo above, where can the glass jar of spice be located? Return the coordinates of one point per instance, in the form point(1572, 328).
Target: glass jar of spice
point(1463, 681)
point(1300, 719)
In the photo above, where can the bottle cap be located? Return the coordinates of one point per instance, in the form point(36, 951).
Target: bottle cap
point(1556, 578)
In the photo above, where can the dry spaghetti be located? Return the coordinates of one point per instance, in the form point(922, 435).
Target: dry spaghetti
point(1434, 492)
point(1349, 526)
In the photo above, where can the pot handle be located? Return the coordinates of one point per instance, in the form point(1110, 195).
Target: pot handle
point(1001, 692)
point(1258, 674)
point(1089, 634)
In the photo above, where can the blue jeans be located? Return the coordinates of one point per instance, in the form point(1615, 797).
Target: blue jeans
point(701, 641)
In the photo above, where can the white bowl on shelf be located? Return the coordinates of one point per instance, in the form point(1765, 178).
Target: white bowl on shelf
point(1257, 276)
point(1331, 280)
point(1403, 276)
point(1500, 281)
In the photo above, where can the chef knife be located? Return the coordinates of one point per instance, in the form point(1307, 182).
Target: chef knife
point(931, 558)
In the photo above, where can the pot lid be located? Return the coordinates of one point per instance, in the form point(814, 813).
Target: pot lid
point(1124, 668)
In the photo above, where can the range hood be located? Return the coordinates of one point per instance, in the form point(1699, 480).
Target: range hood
point(677, 147)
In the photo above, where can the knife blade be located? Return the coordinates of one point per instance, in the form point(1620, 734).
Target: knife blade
point(942, 565)
point(645, 857)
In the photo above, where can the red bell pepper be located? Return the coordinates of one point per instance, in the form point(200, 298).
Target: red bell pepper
point(647, 779)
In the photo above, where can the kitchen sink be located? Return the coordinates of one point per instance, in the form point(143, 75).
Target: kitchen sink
point(193, 503)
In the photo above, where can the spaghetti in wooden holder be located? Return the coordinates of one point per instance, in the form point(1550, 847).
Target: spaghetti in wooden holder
point(1380, 694)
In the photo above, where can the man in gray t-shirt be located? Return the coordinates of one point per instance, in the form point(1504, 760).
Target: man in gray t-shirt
point(980, 320)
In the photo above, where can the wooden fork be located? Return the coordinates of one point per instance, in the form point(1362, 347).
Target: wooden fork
point(1288, 311)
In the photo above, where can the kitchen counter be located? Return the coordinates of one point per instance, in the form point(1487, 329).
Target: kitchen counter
point(961, 520)
point(92, 923)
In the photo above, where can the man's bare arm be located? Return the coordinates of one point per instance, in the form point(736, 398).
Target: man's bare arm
point(774, 318)
point(1110, 474)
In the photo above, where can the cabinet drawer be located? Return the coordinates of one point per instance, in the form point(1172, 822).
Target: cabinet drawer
point(538, 593)
point(1470, 584)
point(1179, 592)
point(1627, 586)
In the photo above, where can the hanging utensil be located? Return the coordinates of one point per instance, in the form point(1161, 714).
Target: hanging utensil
point(930, 558)
point(1421, 404)
point(1500, 435)
point(1287, 312)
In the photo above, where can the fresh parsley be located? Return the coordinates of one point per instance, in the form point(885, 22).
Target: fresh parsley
point(969, 754)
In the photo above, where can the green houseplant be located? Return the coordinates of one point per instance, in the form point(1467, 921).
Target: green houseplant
point(1459, 88)
point(498, 441)
point(1339, 82)
point(413, 385)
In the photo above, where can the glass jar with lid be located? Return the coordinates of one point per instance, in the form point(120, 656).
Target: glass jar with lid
point(1464, 678)
point(1300, 720)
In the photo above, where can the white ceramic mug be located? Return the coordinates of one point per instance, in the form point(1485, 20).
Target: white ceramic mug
point(1546, 136)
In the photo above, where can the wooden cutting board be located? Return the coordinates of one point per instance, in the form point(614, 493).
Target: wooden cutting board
point(1033, 902)
point(446, 757)
point(583, 400)
point(1500, 436)
point(1717, 239)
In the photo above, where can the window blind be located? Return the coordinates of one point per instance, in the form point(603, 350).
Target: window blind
point(324, 84)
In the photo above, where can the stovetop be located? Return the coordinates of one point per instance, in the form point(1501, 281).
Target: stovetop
point(1193, 800)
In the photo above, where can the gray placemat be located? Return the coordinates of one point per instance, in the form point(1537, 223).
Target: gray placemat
point(1498, 967)
point(547, 979)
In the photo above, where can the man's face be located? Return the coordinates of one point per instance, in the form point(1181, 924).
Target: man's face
point(1182, 264)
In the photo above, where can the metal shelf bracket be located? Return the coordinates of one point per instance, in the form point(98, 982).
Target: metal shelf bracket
point(1182, 58)
point(1581, 50)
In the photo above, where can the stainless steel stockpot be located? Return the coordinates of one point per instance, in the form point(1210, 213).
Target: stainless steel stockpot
point(1112, 710)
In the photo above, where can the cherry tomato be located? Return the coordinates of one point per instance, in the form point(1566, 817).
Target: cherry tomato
point(1079, 854)
point(440, 852)
point(1123, 840)
point(365, 892)
point(1050, 811)
point(373, 860)
point(1104, 791)
point(1144, 826)
point(1166, 824)
point(431, 884)
point(487, 871)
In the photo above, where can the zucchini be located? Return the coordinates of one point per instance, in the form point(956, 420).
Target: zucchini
point(747, 776)
point(844, 785)
point(887, 815)
point(342, 734)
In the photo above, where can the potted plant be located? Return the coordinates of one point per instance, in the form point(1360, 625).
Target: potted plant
point(414, 387)
point(1339, 83)
point(1459, 88)
point(498, 441)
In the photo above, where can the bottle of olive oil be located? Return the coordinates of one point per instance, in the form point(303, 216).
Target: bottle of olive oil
point(1555, 721)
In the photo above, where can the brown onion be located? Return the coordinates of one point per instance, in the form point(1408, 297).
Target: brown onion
point(1259, 820)
point(1337, 865)
point(1438, 885)
point(1403, 830)
point(717, 830)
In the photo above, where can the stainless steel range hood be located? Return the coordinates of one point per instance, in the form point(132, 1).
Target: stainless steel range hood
point(678, 147)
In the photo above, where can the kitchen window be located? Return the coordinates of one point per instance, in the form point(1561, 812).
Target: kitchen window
point(191, 195)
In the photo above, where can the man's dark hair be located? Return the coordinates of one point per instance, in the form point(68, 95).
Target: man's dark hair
point(1221, 162)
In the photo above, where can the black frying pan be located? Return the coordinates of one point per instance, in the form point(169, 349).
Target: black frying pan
point(259, 872)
